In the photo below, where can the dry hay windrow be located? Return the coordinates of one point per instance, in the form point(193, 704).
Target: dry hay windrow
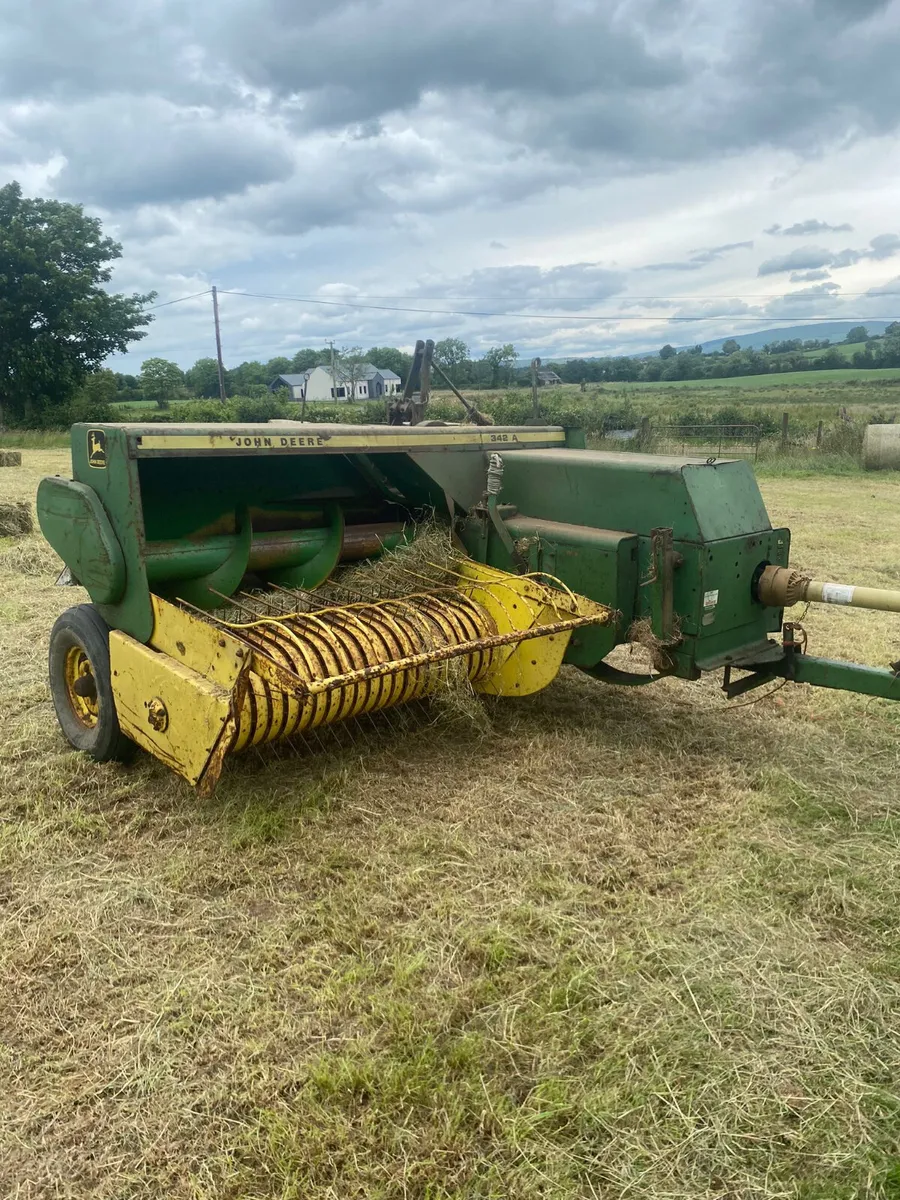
point(31, 556)
point(636, 943)
point(15, 518)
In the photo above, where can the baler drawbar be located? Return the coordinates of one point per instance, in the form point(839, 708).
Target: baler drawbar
point(213, 556)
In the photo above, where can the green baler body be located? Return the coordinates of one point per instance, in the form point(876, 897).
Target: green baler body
point(186, 511)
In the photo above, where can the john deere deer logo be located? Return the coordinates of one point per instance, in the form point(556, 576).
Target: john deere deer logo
point(96, 448)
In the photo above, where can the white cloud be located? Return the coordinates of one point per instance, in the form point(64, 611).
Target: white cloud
point(338, 150)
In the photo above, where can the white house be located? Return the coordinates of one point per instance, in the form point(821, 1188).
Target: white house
point(366, 382)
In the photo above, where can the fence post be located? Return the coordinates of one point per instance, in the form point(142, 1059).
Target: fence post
point(644, 435)
point(784, 431)
point(819, 436)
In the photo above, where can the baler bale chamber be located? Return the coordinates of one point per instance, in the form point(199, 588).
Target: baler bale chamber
point(212, 556)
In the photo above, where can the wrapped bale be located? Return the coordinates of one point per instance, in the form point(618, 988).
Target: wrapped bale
point(881, 448)
point(15, 519)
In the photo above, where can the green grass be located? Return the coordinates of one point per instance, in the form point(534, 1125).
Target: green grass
point(33, 439)
point(785, 379)
point(610, 943)
point(846, 349)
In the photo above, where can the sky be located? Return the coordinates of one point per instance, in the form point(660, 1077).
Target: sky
point(578, 170)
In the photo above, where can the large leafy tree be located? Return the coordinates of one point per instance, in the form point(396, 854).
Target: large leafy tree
point(203, 378)
point(57, 321)
point(501, 360)
point(161, 381)
point(451, 353)
point(390, 359)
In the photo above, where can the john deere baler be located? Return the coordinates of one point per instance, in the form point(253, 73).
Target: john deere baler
point(211, 554)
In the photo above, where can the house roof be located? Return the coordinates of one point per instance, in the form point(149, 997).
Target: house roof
point(366, 371)
point(292, 380)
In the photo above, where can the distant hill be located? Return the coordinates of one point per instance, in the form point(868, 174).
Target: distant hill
point(835, 330)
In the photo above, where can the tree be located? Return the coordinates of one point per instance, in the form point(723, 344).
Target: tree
point(161, 380)
point(501, 360)
point(831, 360)
point(128, 389)
point(450, 354)
point(858, 333)
point(731, 346)
point(305, 360)
point(203, 378)
point(667, 351)
point(892, 329)
point(93, 400)
point(390, 359)
point(349, 372)
point(278, 366)
point(57, 321)
point(246, 376)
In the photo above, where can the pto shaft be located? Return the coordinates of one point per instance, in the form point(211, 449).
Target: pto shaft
point(780, 587)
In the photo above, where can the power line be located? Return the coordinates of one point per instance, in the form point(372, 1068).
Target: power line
point(180, 300)
point(625, 296)
point(452, 312)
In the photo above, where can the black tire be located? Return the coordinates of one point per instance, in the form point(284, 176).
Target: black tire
point(81, 634)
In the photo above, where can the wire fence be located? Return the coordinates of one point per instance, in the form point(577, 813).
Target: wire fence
point(735, 441)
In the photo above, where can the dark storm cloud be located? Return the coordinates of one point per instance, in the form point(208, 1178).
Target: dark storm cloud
point(807, 228)
point(565, 87)
point(884, 246)
point(76, 49)
point(699, 258)
point(389, 57)
point(145, 150)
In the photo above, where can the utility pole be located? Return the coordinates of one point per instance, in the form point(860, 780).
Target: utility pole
point(215, 296)
point(333, 376)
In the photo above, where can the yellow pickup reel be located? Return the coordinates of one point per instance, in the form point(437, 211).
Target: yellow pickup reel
point(285, 663)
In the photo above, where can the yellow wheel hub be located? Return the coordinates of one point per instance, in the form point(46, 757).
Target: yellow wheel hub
point(81, 687)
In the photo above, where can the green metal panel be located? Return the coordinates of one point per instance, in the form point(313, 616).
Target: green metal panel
point(636, 492)
point(114, 477)
point(73, 521)
point(598, 563)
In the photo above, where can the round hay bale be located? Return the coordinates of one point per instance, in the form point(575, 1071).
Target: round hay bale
point(881, 448)
point(15, 519)
point(10, 458)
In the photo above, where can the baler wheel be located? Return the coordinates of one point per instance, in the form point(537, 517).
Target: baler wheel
point(81, 686)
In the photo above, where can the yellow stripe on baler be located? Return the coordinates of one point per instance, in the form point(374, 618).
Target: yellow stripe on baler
point(284, 443)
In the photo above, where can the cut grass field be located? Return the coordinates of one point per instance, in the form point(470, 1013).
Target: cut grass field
point(604, 943)
point(783, 379)
point(847, 349)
